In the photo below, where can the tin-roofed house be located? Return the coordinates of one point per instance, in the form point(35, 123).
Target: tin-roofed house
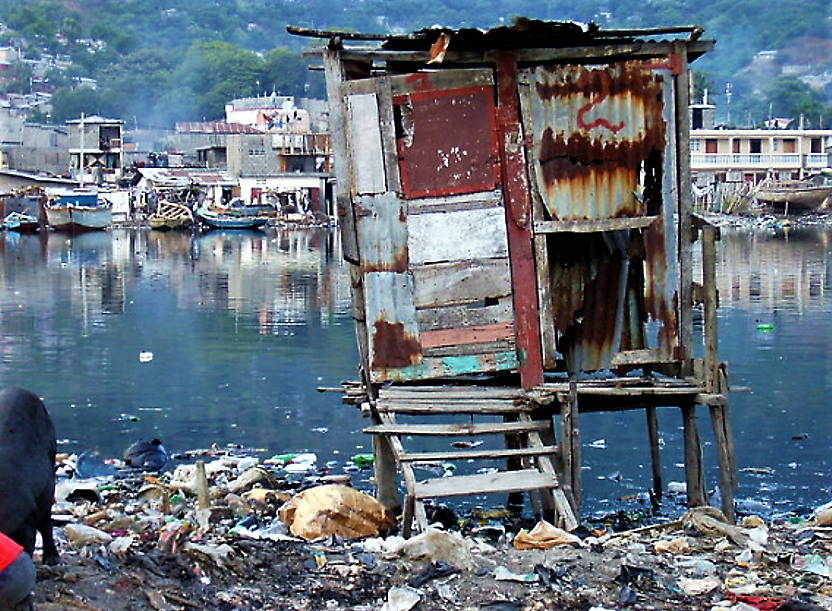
point(516, 207)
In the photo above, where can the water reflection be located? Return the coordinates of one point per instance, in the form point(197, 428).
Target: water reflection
point(776, 327)
point(236, 332)
point(242, 328)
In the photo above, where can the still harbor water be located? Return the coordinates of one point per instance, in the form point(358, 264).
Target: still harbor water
point(225, 338)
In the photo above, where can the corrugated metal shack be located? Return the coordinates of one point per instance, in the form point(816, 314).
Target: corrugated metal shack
point(516, 207)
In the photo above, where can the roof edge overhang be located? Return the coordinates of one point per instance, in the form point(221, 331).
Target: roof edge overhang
point(531, 40)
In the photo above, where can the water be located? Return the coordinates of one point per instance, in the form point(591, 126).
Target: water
point(218, 338)
point(225, 338)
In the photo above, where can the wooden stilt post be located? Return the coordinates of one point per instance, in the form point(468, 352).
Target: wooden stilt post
point(719, 421)
point(693, 458)
point(570, 445)
point(655, 457)
point(386, 474)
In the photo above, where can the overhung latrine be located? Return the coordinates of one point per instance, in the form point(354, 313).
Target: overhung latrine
point(516, 208)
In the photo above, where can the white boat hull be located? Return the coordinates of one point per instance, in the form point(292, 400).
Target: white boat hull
point(69, 217)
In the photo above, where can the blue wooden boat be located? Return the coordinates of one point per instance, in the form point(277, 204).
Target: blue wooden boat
point(222, 220)
point(22, 223)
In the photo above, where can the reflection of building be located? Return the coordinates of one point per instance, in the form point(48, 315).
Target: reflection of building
point(759, 271)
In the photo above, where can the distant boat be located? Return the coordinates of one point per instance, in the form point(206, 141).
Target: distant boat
point(793, 195)
point(171, 216)
point(22, 223)
point(79, 212)
point(228, 220)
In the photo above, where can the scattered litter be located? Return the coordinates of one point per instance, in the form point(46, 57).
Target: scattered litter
point(145, 356)
point(697, 587)
point(219, 531)
point(501, 573)
point(813, 563)
point(401, 599)
point(544, 536)
point(334, 509)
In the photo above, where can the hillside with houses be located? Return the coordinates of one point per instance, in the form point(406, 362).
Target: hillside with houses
point(154, 63)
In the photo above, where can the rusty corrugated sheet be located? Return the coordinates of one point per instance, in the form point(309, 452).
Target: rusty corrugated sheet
point(593, 128)
point(588, 275)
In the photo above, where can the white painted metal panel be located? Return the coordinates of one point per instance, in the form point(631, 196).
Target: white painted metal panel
point(457, 235)
point(365, 144)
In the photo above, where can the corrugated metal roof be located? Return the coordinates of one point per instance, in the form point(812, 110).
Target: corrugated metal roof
point(523, 33)
point(216, 127)
point(186, 176)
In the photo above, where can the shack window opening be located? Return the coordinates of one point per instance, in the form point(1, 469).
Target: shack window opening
point(488, 302)
point(403, 121)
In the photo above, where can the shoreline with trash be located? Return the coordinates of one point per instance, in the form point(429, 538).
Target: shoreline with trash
point(225, 530)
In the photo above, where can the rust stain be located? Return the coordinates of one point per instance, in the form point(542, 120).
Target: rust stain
point(398, 263)
point(587, 274)
point(601, 128)
point(393, 347)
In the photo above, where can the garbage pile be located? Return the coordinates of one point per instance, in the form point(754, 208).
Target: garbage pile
point(222, 530)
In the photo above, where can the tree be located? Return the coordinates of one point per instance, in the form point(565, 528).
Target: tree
point(211, 75)
point(71, 103)
point(19, 78)
point(284, 72)
point(791, 97)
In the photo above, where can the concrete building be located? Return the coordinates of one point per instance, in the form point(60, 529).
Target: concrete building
point(95, 149)
point(751, 155)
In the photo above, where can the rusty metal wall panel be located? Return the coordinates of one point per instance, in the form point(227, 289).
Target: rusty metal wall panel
point(446, 141)
point(593, 129)
point(589, 286)
point(381, 226)
point(391, 321)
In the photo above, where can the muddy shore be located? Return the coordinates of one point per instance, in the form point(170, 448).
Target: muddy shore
point(132, 541)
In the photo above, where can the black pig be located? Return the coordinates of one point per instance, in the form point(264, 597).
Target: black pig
point(27, 470)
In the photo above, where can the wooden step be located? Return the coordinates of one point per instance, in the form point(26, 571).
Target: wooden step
point(487, 483)
point(450, 430)
point(477, 454)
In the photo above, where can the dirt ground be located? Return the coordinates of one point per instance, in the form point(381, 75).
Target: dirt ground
point(626, 571)
point(130, 543)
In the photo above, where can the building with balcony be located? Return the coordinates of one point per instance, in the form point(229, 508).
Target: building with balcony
point(750, 155)
point(95, 149)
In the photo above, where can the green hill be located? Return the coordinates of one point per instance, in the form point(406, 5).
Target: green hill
point(159, 61)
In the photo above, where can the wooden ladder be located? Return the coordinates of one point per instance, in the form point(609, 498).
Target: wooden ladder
point(524, 446)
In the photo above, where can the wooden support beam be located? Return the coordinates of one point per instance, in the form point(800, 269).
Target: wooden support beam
point(655, 456)
point(457, 430)
point(697, 495)
point(710, 235)
point(571, 445)
point(518, 221)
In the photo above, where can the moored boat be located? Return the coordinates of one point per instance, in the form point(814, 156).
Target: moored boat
point(793, 195)
point(20, 222)
point(223, 220)
point(171, 216)
point(79, 212)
